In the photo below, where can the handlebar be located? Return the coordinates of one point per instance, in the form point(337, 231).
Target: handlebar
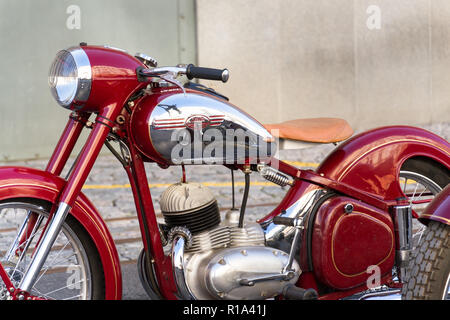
point(190, 71)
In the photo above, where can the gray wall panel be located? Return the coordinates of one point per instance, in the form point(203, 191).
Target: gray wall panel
point(32, 31)
point(372, 62)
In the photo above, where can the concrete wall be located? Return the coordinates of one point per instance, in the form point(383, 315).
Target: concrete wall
point(372, 62)
point(31, 33)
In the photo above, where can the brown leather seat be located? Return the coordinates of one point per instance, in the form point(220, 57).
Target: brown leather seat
point(319, 130)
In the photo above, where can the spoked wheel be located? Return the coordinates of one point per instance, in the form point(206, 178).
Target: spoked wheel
point(428, 272)
point(72, 269)
point(420, 190)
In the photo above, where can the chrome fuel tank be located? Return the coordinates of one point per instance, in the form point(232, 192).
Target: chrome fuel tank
point(173, 127)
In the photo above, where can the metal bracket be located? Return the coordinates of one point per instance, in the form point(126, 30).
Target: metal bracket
point(170, 77)
point(285, 276)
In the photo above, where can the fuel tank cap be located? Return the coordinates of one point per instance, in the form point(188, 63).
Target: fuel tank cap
point(146, 59)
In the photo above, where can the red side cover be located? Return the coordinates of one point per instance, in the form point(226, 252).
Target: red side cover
point(345, 245)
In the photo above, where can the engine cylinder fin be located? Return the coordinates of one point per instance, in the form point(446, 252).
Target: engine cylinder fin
point(227, 236)
point(250, 235)
point(195, 220)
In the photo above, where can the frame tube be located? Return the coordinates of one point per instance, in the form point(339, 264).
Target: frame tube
point(66, 143)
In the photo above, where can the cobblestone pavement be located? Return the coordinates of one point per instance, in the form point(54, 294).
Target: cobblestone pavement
point(107, 187)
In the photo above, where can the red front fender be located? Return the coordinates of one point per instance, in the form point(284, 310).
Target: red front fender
point(371, 161)
point(22, 182)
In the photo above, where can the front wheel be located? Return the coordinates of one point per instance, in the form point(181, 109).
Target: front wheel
point(73, 268)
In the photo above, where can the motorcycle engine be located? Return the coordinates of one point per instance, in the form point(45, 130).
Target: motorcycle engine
point(223, 261)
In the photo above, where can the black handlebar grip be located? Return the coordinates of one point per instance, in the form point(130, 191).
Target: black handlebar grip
point(207, 73)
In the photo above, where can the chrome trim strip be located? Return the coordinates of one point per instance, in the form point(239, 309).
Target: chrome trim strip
point(391, 294)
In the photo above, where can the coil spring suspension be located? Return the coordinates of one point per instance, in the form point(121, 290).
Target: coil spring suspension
point(274, 176)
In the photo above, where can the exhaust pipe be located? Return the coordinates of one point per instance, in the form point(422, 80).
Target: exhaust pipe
point(180, 237)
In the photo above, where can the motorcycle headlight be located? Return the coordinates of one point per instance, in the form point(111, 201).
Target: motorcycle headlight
point(70, 77)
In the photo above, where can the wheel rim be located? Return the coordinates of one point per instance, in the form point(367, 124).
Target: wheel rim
point(66, 273)
point(446, 294)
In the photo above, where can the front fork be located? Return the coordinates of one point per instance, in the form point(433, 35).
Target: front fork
point(55, 165)
point(70, 192)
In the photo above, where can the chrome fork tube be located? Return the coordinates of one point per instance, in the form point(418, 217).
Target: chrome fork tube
point(53, 228)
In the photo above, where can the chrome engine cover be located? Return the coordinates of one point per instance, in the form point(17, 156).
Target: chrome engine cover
point(220, 258)
point(226, 270)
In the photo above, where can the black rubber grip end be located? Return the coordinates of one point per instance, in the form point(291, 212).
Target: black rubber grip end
point(207, 73)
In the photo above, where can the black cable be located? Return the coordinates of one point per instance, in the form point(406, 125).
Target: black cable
point(115, 153)
point(233, 207)
point(244, 200)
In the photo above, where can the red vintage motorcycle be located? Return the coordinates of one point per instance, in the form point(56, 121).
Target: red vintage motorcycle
point(345, 230)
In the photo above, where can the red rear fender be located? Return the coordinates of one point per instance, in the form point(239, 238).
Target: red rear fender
point(371, 161)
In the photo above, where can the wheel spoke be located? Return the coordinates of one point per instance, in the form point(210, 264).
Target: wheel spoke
point(62, 288)
point(51, 263)
point(56, 280)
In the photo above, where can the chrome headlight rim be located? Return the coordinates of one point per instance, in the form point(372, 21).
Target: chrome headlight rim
point(84, 74)
point(83, 78)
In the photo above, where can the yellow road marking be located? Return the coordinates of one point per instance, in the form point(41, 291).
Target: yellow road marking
point(303, 164)
point(165, 185)
point(208, 184)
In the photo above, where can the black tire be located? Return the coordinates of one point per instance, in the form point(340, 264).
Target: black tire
point(81, 236)
point(429, 268)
